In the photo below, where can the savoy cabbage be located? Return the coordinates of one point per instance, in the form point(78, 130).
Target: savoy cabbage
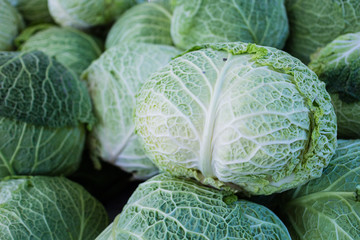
point(238, 116)
point(48, 208)
point(113, 81)
point(73, 48)
point(84, 14)
point(166, 207)
point(315, 23)
point(147, 22)
point(43, 109)
point(338, 65)
point(262, 22)
point(11, 24)
point(34, 11)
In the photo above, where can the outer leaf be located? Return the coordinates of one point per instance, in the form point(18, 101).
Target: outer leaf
point(86, 13)
point(202, 21)
point(329, 207)
point(26, 149)
point(338, 65)
point(11, 24)
point(170, 208)
point(75, 49)
point(37, 89)
point(148, 22)
point(48, 208)
point(315, 23)
point(239, 115)
point(33, 11)
point(113, 81)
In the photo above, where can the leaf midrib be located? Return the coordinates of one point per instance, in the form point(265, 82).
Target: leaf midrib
point(205, 161)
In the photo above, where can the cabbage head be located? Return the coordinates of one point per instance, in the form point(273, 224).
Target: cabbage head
point(33, 11)
point(262, 22)
point(239, 116)
point(11, 24)
point(315, 23)
point(338, 65)
point(84, 14)
point(329, 207)
point(113, 80)
point(43, 108)
point(73, 48)
point(48, 208)
point(147, 22)
point(170, 208)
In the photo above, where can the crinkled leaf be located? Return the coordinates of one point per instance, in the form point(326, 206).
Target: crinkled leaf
point(48, 208)
point(27, 149)
point(37, 89)
point(170, 208)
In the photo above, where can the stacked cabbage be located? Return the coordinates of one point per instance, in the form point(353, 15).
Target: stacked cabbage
point(262, 22)
point(238, 117)
point(232, 114)
point(193, 22)
point(43, 109)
